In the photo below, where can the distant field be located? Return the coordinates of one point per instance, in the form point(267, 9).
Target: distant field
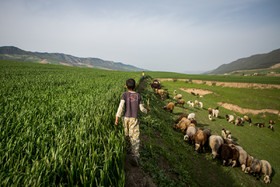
point(221, 78)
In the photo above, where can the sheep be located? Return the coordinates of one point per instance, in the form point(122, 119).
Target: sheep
point(260, 125)
point(183, 125)
point(228, 154)
point(196, 102)
point(178, 96)
point(163, 93)
point(200, 104)
point(193, 93)
point(243, 155)
point(200, 139)
point(215, 142)
point(230, 142)
point(271, 127)
point(191, 116)
point(207, 132)
point(255, 167)
point(190, 103)
point(191, 131)
point(215, 112)
point(193, 121)
point(191, 125)
point(238, 121)
point(271, 122)
point(174, 92)
point(169, 107)
point(180, 102)
point(181, 116)
point(248, 163)
point(210, 117)
point(266, 170)
point(210, 114)
point(224, 135)
point(230, 118)
point(248, 119)
point(229, 136)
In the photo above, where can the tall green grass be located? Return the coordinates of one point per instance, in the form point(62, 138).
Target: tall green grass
point(57, 125)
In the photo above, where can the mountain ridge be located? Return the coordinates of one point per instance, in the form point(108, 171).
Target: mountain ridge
point(17, 54)
point(257, 61)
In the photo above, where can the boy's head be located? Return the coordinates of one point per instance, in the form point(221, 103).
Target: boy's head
point(130, 84)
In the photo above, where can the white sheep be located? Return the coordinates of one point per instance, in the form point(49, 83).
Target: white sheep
point(215, 142)
point(174, 92)
point(243, 155)
point(210, 117)
point(178, 96)
point(190, 103)
point(196, 102)
point(200, 104)
point(266, 170)
point(191, 116)
point(189, 134)
point(230, 118)
point(215, 112)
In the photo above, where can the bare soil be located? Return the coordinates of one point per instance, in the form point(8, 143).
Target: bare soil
point(196, 91)
point(230, 84)
point(246, 111)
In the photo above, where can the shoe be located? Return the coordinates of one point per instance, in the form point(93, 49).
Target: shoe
point(134, 161)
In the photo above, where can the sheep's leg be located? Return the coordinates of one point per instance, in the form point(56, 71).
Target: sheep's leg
point(243, 167)
point(233, 163)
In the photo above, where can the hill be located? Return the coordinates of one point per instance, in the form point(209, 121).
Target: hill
point(14, 53)
point(259, 61)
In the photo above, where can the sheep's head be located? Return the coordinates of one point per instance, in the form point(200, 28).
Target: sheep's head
point(266, 179)
point(186, 137)
point(247, 170)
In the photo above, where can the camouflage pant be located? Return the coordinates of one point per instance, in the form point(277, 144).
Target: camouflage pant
point(131, 130)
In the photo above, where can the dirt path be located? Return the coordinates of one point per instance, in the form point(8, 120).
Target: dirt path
point(245, 110)
point(196, 91)
point(230, 84)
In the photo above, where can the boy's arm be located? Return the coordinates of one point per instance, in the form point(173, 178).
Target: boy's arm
point(119, 112)
point(143, 109)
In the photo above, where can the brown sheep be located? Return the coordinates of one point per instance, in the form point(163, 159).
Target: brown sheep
point(181, 116)
point(183, 125)
point(228, 154)
point(169, 107)
point(200, 139)
point(180, 102)
point(191, 125)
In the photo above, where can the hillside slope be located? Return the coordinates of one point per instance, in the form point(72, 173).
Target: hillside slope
point(259, 61)
point(16, 54)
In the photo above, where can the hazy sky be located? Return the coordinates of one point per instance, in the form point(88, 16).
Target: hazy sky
point(164, 35)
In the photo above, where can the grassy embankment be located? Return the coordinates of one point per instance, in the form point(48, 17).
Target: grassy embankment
point(172, 161)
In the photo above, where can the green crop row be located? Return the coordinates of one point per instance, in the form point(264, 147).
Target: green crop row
point(57, 125)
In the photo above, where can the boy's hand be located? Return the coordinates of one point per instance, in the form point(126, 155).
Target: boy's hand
point(148, 109)
point(117, 121)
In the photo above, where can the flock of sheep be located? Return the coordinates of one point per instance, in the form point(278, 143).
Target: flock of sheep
point(222, 146)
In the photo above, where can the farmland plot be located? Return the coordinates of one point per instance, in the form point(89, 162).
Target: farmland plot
point(57, 125)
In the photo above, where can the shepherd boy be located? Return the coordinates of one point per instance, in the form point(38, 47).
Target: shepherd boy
point(131, 101)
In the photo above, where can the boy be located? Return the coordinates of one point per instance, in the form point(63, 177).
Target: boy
point(131, 101)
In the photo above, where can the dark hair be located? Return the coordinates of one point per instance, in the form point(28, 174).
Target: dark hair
point(130, 83)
